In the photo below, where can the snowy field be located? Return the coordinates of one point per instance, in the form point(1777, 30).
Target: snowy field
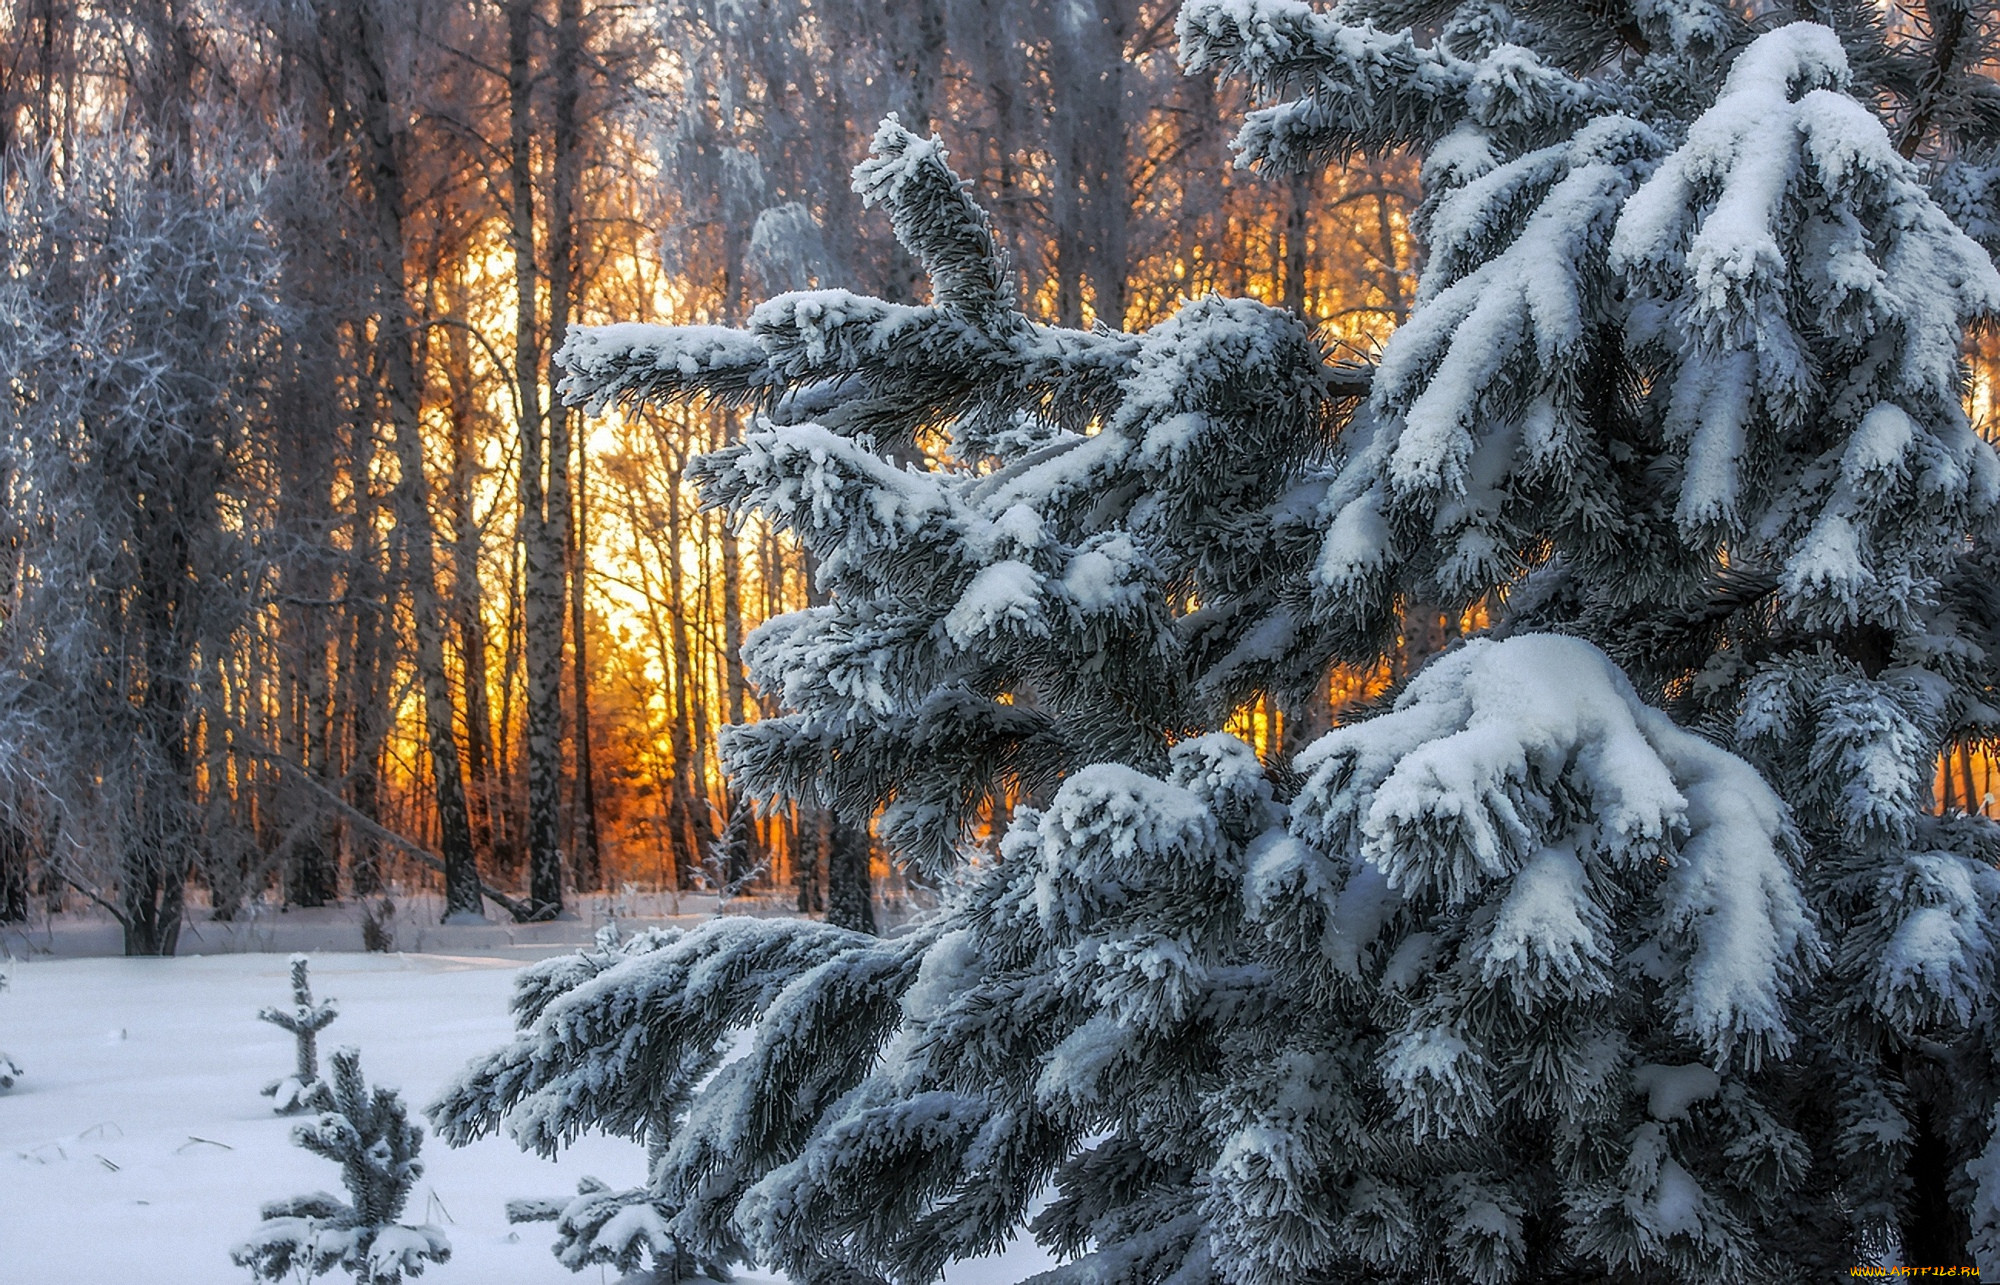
point(136, 1148)
point(270, 928)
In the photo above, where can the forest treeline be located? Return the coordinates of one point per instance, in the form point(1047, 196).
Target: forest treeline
point(311, 581)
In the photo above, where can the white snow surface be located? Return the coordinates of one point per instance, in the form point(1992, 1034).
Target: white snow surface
point(1006, 595)
point(136, 1146)
point(1671, 1091)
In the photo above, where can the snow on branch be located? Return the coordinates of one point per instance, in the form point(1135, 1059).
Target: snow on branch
point(806, 1048)
point(1483, 419)
point(864, 366)
point(973, 750)
point(632, 361)
point(1348, 87)
point(1760, 277)
point(1358, 87)
point(846, 503)
point(938, 221)
point(1484, 313)
point(621, 1049)
point(617, 1228)
point(617, 1039)
point(815, 335)
point(1526, 776)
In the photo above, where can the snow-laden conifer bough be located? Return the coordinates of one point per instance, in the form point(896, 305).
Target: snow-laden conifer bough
point(1623, 943)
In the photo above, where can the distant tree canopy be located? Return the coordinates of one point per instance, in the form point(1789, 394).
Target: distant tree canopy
point(311, 582)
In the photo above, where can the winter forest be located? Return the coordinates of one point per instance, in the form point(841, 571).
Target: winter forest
point(313, 579)
point(1089, 642)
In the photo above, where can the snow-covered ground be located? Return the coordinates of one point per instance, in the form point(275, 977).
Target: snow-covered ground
point(272, 928)
point(136, 1147)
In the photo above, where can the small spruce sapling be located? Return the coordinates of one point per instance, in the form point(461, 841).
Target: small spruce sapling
point(305, 1020)
point(370, 1137)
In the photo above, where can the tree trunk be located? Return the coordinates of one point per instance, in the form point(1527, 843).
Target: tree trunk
point(1390, 248)
point(589, 859)
point(809, 862)
point(413, 526)
point(849, 887)
point(510, 816)
point(566, 159)
point(736, 863)
point(15, 851)
point(312, 876)
point(322, 832)
point(1110, 173)
point(541, 536)
point(1296, 223)
point(468, 600)
point(13, 873)
point(171, 507)
point(850, 884)
point(159, 846)
point(381, 158)
point(692, 831)
point(366, 676)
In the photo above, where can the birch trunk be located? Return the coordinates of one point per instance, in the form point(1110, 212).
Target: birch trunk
point(566, 159)
point(468, 599)
point(541, 536)
point(693, 834)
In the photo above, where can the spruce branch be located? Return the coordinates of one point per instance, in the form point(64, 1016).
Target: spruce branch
point(1946, 24)
point(937, 220)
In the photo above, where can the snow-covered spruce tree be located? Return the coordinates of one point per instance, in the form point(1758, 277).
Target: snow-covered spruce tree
point(305, 1019)
point(368, 1134)
point(1623, 945)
